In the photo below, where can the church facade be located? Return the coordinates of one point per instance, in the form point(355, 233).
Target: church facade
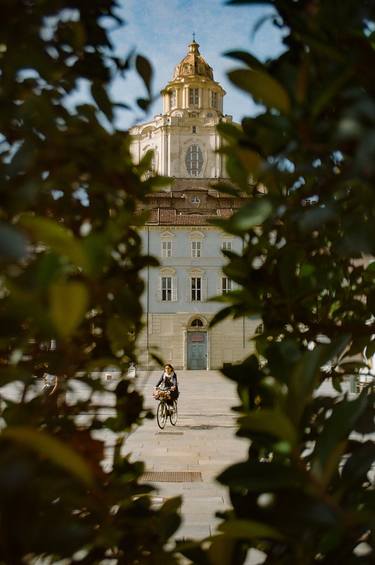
point(178, 301)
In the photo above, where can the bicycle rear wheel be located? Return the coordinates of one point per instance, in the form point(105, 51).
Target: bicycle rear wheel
point(173, 414)
point(161, 414)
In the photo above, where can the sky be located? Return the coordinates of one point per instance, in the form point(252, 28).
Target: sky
point(162, 29)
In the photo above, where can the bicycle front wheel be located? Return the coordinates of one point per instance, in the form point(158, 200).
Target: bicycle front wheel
point(173, 414)
point(161, 415)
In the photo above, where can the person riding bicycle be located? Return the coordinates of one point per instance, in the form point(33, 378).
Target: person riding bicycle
point(168, 381)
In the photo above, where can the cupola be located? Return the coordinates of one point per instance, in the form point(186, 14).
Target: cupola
point(193, 64)
point(193, 87)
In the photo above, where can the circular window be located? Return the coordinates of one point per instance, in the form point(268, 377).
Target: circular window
point(194, 160)
point(197, 323)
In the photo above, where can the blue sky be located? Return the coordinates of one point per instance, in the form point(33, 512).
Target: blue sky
point(162, 29)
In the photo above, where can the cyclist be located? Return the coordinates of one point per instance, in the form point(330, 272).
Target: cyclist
point(168, 381)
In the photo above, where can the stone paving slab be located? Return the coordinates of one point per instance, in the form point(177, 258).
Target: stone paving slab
point(206, 443)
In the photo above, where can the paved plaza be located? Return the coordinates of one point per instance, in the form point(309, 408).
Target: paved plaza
point(200, 446)
point(203, 441)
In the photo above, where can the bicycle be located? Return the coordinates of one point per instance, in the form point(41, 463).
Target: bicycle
point(164, 409)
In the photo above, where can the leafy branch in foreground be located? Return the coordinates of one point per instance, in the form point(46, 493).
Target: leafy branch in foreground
point(305, 495)
point(70, 292)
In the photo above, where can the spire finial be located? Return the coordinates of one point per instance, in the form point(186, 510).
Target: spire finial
point(194, 46)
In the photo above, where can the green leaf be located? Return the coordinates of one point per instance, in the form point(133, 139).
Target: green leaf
point(336, 429)
point(230, 131)
point(315, 218)
point(258, 476)
point(226, 189)
point(221, 315)
point(222, 551)
point(270, 422)
point(118, 332)
point(59, 238)
point(143, 103)
point(264, 88)
point(100, 95)
point(329, 91)
point(68, 304)
point(305, 374)
point(51, 448)
point(144, 69)
point(251, 215)
point(249, 529)
point(245, 57)
point(13, 244)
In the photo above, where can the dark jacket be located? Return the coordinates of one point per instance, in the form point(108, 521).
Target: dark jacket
point(169, 382)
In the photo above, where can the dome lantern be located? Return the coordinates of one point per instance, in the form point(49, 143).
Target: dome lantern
point(193, 64)
point(193, 87)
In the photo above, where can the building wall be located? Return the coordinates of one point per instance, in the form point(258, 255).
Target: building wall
point(181, 213)
point(168, 322)
point(169, 137)
point(228, 342)
point(181, 265)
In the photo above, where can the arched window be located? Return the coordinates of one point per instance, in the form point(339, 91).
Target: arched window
point(197, 323)
point(194, 160)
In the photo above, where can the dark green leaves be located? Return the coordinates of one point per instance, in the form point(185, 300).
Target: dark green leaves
point(13, 244)
point(307, 160)
point(100, 95)
point(263, 88)
point(260, 477)
point(68, 304)
point(55, 236)
point(249, 216)
point(270, 422)
point(304, 377)
point(249, 529)
point(47, 446)
point(145, 71)
point(245, 57)
point(70, 292)
point(327, 452)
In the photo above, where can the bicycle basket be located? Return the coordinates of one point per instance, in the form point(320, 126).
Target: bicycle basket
point(162, 394)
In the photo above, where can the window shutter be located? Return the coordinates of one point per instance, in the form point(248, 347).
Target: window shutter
point(219, 285)
point(204, 289)
point(174, 289)
point(158, 294)
point(188, 289)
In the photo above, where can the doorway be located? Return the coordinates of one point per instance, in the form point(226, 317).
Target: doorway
point(196, 350)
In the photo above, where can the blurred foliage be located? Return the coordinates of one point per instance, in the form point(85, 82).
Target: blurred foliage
point(307, 161)
point(70, 291)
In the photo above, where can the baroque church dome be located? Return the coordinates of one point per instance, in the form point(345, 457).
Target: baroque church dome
point(193, 64)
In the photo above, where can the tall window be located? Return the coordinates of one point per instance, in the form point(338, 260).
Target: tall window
point(226, 285)
point(194, 160)
point(196, 289)
point(196, 247)
point(214, 99)
point(226, 245)
point(166, 248)
point(173, 99)
point(193, 96)
point(166, 289)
